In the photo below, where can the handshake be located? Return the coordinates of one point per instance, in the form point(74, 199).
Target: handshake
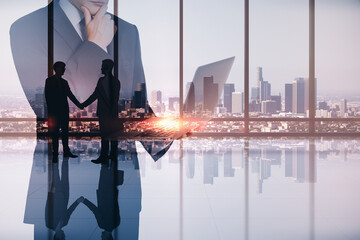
point(81, 105)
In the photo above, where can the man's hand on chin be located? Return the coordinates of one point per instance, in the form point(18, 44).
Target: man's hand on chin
point(101, 28)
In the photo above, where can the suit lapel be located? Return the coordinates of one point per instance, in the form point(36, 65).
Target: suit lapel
point(110, 48)
point(64, 28)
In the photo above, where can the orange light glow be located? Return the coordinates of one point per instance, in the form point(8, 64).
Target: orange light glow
point(170, 124)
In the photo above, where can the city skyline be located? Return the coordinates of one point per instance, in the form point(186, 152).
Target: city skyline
point(335, 23)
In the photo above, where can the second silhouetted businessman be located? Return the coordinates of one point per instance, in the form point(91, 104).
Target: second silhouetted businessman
point(107, 93)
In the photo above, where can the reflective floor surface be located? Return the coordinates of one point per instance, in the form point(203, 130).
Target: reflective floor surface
point(194, 189)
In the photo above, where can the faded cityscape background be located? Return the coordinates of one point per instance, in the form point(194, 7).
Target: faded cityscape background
point(214, 31)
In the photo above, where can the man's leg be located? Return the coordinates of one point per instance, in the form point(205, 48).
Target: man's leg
point(103, 158)
point(53, 124)
point(114, 150)
point(65, 138)
point(104, 147)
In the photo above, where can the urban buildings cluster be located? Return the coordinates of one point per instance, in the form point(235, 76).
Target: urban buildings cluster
point(206, 102)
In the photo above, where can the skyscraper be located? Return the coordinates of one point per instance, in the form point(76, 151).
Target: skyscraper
point(298, 92)
point(301, 95)
point(255, 93)
point(156, 97)
point(265, 90)
point(210, 94)
point(237, 102)
point(229, 88)
point(268, 106)
point(288, 97)
point(343, 107)
point(277, 99)
point(172, 100)
point(259, 77)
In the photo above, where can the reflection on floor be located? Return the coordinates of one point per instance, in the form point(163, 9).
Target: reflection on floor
point(199, 189)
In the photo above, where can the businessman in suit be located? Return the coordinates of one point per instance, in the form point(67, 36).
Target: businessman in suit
point(107, 94)
point(57, 92)
point(83, 34)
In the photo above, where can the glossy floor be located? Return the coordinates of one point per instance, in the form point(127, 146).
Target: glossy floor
point(197, 189)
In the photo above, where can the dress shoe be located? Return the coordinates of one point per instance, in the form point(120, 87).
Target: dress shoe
point(101, 159)
point(70, 155)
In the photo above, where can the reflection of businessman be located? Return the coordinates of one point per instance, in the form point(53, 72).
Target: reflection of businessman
point(107, 94)
point(57, 91)
point(57, 213)
point(107, 210)
point(82, 43)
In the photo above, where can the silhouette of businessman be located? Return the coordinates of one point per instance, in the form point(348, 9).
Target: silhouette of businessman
point(107, 93)
point(57, 213)
point(57, 91)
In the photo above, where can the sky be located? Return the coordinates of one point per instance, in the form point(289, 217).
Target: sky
point(214, 30)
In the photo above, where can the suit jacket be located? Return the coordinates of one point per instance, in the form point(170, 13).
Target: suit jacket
point(56, 93)
point(29, 45)
point(105, 106)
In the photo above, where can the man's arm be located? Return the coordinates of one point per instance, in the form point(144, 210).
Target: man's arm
point(92, 207)
point(47, 93)
point(70, 210)
point(91, 99)
point(71, 96)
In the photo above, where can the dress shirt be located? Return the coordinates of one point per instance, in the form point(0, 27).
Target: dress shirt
point(73, 14)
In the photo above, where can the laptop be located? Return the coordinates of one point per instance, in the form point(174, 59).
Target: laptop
point(202, 97)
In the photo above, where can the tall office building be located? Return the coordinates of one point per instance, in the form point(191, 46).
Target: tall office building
point(288, 97)
point(343, 107)
point(255, 93)
point(173, 100)
point(277, 99)
point(268, 106)
point(237, 102)
point(254, 106)
point(210, 94)
point(229, 88)
point(263, 87)
point(265, 91)
point(259, 76)
point(156, 97)
point(298, 92)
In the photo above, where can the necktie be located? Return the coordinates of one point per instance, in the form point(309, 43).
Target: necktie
point(83, 29)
